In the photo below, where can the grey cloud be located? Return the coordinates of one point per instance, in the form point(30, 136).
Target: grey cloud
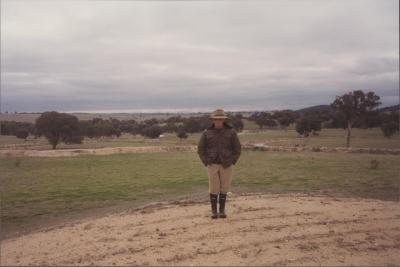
point(257, 54)
point(375, 66)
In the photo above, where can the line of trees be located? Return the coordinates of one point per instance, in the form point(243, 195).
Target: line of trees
point(281, 118)
point(62, 127)
point(18, 129)
point(355, 109)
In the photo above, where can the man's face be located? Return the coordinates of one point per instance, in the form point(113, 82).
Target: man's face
point(218, 123)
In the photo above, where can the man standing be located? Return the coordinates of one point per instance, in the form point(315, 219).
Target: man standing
point(219, 148)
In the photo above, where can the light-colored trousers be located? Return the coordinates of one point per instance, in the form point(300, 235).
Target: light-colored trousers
point(219, 178)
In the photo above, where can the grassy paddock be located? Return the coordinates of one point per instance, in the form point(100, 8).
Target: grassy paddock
point(168, 139)
point(371, 138)
point(123, 141)
point(47, 187)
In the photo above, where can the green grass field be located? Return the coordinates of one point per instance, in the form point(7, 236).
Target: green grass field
point(40, 188)
point(371, 138)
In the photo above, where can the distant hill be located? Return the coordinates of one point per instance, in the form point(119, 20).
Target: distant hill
point(329, 109)
point(318, 108)
point(390, 108)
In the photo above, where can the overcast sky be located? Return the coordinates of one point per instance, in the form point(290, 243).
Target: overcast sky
point(195, 55)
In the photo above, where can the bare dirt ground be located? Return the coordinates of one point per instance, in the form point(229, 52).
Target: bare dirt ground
point(259, 230)
point(184, 148)
point(92, 151)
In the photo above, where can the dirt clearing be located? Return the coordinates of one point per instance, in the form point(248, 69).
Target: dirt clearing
point(259, 230)
point(92, 151)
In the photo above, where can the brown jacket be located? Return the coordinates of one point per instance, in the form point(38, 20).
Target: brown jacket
point(219, 146)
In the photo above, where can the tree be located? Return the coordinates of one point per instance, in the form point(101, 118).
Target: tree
point(182, 134)
point(308, 124)
point(270, 123)
point(150, 122)
point(337, 120)
point(354, 105)
point(59, 127)
point(116, 132)
point(389, 123)
point(263, 119)
point(285, 117)
point(170, 127)
point(174, 119)
point(15, 127)
point(127, 126)
point(371, 119)
point(22, 134)
point(237, 122)
point(191, 125)
point(196, 124)
point(98, 127)
point(152, 131)
point(389, 129)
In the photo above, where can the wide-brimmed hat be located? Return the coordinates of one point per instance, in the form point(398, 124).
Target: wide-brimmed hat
point(218, 114)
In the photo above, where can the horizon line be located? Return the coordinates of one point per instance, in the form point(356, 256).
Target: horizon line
point(161, 111)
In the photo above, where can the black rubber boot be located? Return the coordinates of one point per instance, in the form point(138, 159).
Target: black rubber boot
point(214, 199)
point(222, 199)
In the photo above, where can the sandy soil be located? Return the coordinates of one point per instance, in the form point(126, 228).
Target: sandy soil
point(259, 230)
point(92, 151)
point(183, 148)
